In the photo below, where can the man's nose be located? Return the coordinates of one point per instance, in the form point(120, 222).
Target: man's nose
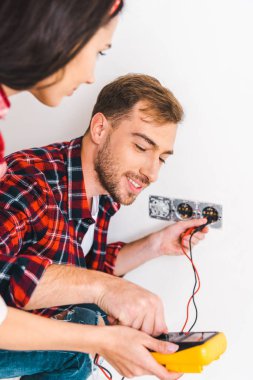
point(150, 170)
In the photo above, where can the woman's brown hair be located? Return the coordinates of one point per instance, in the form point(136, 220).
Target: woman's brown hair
point(39, 37)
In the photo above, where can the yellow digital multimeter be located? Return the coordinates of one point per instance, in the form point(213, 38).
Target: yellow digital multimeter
point(196, 349)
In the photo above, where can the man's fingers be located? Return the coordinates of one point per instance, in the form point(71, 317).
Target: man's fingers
point(193, 223)
point(138, 323)
point(186, 242)
point(199, 236)
point(148, 325)
point(160, 326)
point(195, 239)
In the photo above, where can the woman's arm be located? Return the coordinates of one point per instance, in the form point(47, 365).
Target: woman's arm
point(126, 349)
point(24, 331)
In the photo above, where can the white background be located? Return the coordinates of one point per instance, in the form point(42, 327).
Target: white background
point(202, 51)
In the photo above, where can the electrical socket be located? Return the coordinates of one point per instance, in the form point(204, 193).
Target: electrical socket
point(182, 209)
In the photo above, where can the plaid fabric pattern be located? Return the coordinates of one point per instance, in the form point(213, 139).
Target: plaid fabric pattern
point(44, 216)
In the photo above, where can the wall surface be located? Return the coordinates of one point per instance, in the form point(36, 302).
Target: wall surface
point(202, 51)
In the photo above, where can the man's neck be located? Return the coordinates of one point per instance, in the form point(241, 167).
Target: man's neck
point(92, 183)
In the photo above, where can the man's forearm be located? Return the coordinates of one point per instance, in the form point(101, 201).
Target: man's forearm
point(167, 241)
point(135, 254)
point(65, 285)
point(126, 302)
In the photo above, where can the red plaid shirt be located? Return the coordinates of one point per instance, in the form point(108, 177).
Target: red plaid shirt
point(44, 216)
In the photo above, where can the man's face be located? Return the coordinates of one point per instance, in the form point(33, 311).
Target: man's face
point(132, 155)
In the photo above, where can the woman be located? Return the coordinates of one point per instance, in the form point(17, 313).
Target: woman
point(49, 48)
point(54, 46)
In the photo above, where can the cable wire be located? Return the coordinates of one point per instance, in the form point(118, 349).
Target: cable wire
point(104, 370)
point(197, 284)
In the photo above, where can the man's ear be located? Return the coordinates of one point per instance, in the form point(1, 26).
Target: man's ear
point(99, 128)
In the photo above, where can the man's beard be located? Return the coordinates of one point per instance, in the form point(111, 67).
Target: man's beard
point(108, 171)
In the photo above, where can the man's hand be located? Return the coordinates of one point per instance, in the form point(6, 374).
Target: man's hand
point(131, 305)
point(127, 350)
point(168, 240)
point(164, 242)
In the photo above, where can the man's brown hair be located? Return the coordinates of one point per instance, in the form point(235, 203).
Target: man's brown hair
point(117, 99)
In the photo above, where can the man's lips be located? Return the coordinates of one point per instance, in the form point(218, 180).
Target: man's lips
point(135, 185)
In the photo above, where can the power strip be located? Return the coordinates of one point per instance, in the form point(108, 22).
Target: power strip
point(182, 209)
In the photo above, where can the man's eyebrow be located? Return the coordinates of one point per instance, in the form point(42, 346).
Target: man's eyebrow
point(150, 142)
point(108, 46)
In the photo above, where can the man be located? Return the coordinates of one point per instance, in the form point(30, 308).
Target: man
point(56, 203)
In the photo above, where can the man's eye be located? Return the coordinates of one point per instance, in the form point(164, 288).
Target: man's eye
point(162, 160)
point(140, 148)
point(101, 53)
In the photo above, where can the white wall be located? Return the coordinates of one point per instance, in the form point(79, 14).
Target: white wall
point(202, 50)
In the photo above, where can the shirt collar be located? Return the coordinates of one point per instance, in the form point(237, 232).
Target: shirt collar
point(4, 103)
point(78, 207)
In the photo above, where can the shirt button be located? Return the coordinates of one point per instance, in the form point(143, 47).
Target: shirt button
point(79, 239)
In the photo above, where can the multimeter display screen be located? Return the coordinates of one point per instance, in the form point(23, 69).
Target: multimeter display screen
point(187, 340)
point(191, 337)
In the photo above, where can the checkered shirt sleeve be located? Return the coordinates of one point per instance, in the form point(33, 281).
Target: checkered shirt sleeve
point(22, 204)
